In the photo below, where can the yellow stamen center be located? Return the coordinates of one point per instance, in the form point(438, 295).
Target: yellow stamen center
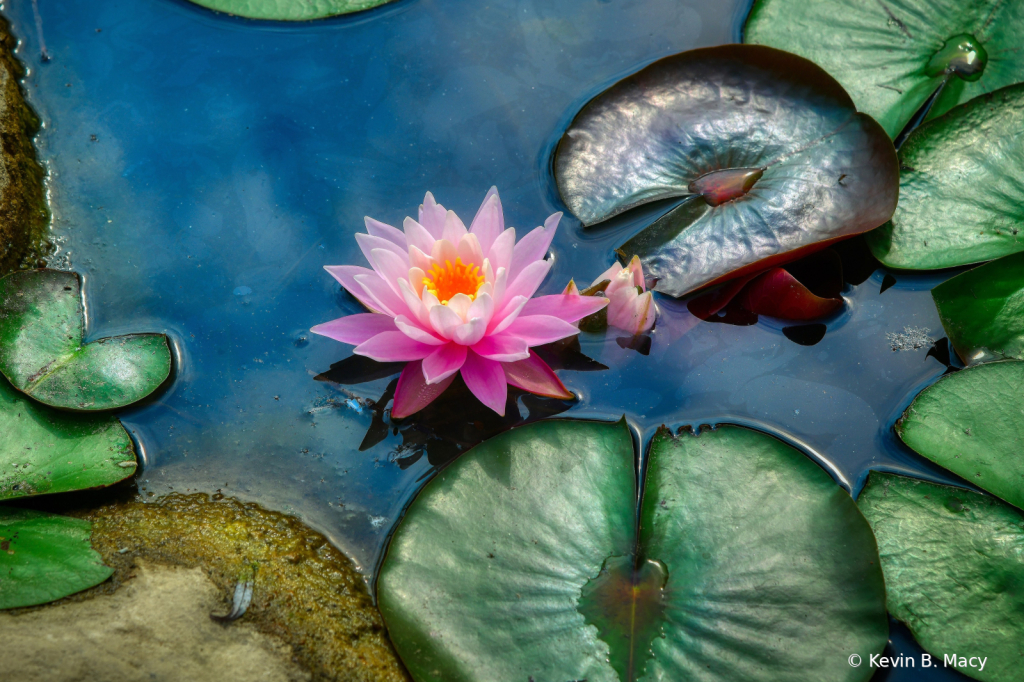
point(460, 278)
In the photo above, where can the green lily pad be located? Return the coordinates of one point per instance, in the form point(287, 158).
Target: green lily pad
point(44, 557)
point(41, 352)
point(961, 195)
point(972, 423)
point(953, 571)
point(289, 10)
point(770, 150)
point(524, 559)
point(47, 451)
point(982, 310)
point(892, 55)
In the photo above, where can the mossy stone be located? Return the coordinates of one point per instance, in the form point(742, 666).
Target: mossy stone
point(23, 212)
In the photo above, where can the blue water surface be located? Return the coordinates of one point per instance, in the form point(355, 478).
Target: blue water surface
point(204, 168)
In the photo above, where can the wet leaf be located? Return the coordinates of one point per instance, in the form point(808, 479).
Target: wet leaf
point(523, 559)
point(982, 310)
point(892, 55)
point(41, 351)
point(961, 195)
point(770, 150)
point(289, 10)
point(777, 293)
point(43, 450)
point(44, 557)
point(970, 422)
point(953, 572)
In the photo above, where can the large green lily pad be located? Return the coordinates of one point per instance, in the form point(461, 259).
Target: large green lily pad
point(43, 450)
point(972, 423)
point(523, 559)
point(289, 10)
point(45, 557)
point(41, 352)
point(953, 571)
point(982, 310)
point(892, 55)
point(961, 189)
point(770, 150)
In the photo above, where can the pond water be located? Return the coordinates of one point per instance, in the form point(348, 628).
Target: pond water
point(204, 169)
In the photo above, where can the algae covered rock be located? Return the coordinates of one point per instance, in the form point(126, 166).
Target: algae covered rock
point(23, 213)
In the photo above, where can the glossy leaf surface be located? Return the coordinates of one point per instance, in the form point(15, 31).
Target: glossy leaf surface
point(43, 450)
point(961, 189)
point(970, 422)
point(982, 310)
point(41, 351)
point(777, 293)
point(520, 560)
point(289, 10)
point(892, 55)
point(709, 121)
point(952, 564)
point(45, 557)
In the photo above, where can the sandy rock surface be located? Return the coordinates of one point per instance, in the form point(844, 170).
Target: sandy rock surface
point(155, 628)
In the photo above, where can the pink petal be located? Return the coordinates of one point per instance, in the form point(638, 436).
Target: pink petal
point(529, 280)
point(534, 375)
point(376, 228)
point(442, 251)
point(368, 243)
point(482, 308)
point(608, 274)
point(503, 348)
point(507, 316)
point(630, 311)
point(537, 330)
point(623, 280)
point(470, 332)
point(420, 314)
point(500, 253)
point(444, 320)
point(393, 347)
point(418, 259)
point(415, 332)
point(443, 362)
point(418, 236)
point(383, 296)
point(391, 268)
point(346, 274)
point(568, 307)
point(486, 379)
point(356, 329)
point(454, 229)
point(534, 246)
point(489, 221)
point(414, 393)
point(432, 216)
point(469, 250)
point(635, 267)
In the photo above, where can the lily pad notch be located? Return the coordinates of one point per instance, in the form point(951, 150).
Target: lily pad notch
point(770, 154)
point(900, 59)
point(42, 325)
point(525, 558)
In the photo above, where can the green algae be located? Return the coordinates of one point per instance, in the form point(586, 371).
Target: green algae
point(23, 213)
point(305, 592)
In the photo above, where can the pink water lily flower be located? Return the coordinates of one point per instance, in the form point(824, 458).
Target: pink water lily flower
point(450, 300)
point(631, 307)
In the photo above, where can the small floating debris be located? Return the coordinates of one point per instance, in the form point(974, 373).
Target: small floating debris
point(911, 338)
point(239, 605)
point(242, 291)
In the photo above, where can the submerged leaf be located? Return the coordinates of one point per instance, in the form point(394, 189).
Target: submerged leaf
point(289, 10)
point(41, 328)
point(44, 451)
point(982, 310)
point(523, 559)
point(961, 189)
point(770, 150)
point(44, 557)
point(892, 55)
point(953, 571)
point(970, 422)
